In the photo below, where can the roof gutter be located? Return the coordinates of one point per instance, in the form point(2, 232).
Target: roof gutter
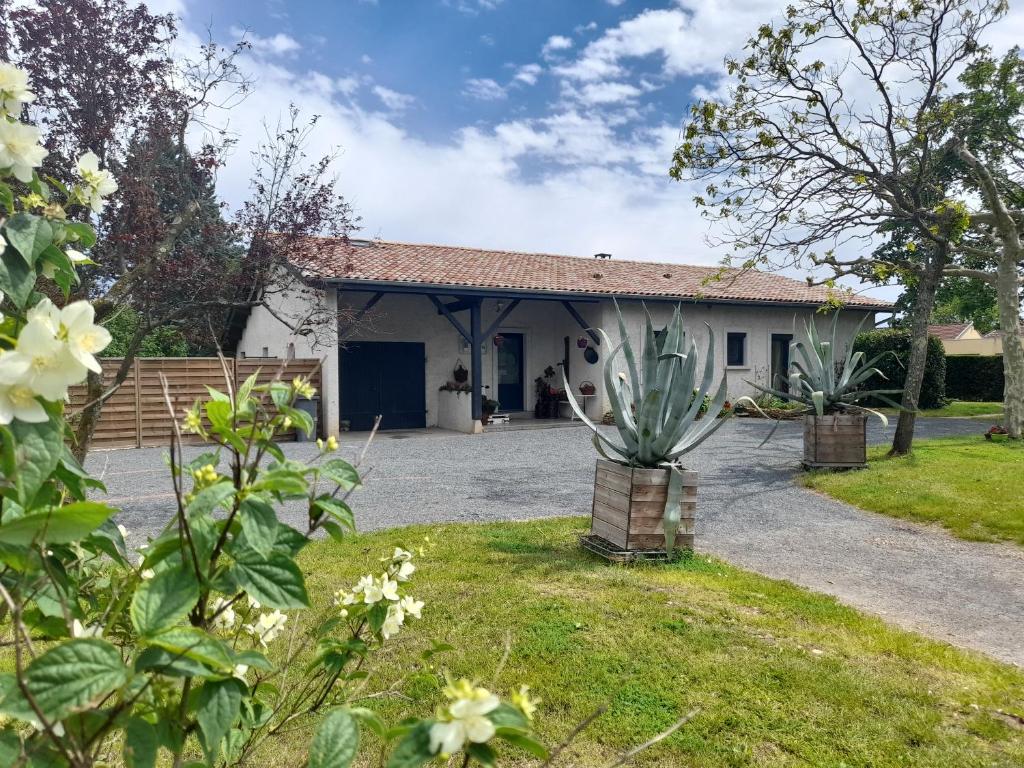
point(483, 292)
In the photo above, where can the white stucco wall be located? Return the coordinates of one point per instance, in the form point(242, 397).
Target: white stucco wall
point(544, 325)
point(758, 322)
point(269, 334)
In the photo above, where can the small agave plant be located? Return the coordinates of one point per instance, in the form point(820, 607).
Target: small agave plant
point(826, 384)
point(657, 405)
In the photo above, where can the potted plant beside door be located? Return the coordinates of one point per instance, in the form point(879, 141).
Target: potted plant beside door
point(829, 390)
point(644, 499)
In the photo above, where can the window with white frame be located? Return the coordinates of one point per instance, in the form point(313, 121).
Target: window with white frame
point(736, 349)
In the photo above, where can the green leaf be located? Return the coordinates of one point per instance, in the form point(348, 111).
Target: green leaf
point(335, 741)
point(483, 754)
point(217, 708)
point(211, 497)
point(337, 509)
point(32, 455)
point(507, 716)
point(81, 233)
point(140, 744)
point(59, 525)
point(276, 581)
point(341, 472)
point(17, 279)
point(73, 675)
point(524, 742)
point(170, 664)
point(414, 748)
point(370, 719)
point(253, 659)
point(195, 644)
point(161, 602)
point(259, 524)
point(30, 235)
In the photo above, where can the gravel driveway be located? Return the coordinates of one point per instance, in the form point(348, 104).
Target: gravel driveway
point(750, 513)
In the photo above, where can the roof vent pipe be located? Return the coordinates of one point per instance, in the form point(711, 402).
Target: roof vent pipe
point(602, 255)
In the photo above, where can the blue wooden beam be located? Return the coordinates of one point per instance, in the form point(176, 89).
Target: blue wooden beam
point(451, 318)
point(583, 323)
point(476, 364)
point(500, 319)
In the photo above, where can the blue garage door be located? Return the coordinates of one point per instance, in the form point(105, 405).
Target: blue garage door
point(386, 378)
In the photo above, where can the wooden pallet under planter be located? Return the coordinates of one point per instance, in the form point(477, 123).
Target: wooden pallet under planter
point(837, 441)
point(629, 504)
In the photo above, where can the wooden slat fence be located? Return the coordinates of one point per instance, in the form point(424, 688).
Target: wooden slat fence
point(136, 415)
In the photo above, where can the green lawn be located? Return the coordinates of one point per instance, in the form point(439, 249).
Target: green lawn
point(964, 408)
point(960, 408)
point(783, 677)
point(970, 485)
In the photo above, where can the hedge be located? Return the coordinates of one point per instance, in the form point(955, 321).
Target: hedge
point(975, 378)
point(933, 388)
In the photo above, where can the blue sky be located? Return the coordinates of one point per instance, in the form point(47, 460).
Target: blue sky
point(537, 125)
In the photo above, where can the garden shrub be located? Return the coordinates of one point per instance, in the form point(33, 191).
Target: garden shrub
point(894, 366)
point(974, 378)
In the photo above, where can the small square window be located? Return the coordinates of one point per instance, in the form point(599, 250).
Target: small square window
point(736, 349)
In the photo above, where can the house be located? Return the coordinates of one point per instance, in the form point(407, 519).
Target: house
point(397, 319)
point(965, 339)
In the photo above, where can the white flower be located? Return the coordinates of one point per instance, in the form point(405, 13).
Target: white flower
point(389, 588)
point(267, 627)
point(99, 183)
point(241, 670)
point(77, 257)
point(93, 630)
point(412, 606)
point(85, 339)
point(393, 621)
point(401, 555)
point(372, 592)
point(253, 603)
point(405, 570)
point(20, 149)
point(467, 721)
point(224, 614)
point(14, 90)
point(17, 401)
point(41, 361)
point(146, 574)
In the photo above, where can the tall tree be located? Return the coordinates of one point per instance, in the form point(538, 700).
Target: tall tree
point(988, 140)
point(832, 132)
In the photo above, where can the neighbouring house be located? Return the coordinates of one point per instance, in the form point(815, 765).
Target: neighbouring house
point(397, 319)
point(965, 339)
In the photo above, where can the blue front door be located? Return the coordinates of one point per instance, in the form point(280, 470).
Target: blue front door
point(386, 378)
point(510, 372)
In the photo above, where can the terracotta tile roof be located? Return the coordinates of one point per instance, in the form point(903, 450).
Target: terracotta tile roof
point(948, 331)
point(442, 265)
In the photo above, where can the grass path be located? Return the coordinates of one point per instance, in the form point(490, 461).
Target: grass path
point(971, 486)
point(783, 676)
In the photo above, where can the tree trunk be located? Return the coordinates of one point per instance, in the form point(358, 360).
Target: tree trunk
point(924, 303)
point(1008, 301)
point(96, 396)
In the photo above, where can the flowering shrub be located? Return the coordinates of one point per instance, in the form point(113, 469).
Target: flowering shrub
point(176, 652)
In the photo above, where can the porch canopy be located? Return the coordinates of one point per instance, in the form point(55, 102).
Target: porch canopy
point(452, 304)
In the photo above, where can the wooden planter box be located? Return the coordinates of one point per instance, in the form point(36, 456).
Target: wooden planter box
point(836, 440)
point(629, 504)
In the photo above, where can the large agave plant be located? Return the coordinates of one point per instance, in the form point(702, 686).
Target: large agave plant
point(657, 405)
point(827, 384)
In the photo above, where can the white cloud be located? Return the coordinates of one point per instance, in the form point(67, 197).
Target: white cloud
point(275, 45)
point(393, 100)
point(487, 40)
point(556, 43)
point(615, 3)
point(608, 93)
point(528, 74)
point(484, 89)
